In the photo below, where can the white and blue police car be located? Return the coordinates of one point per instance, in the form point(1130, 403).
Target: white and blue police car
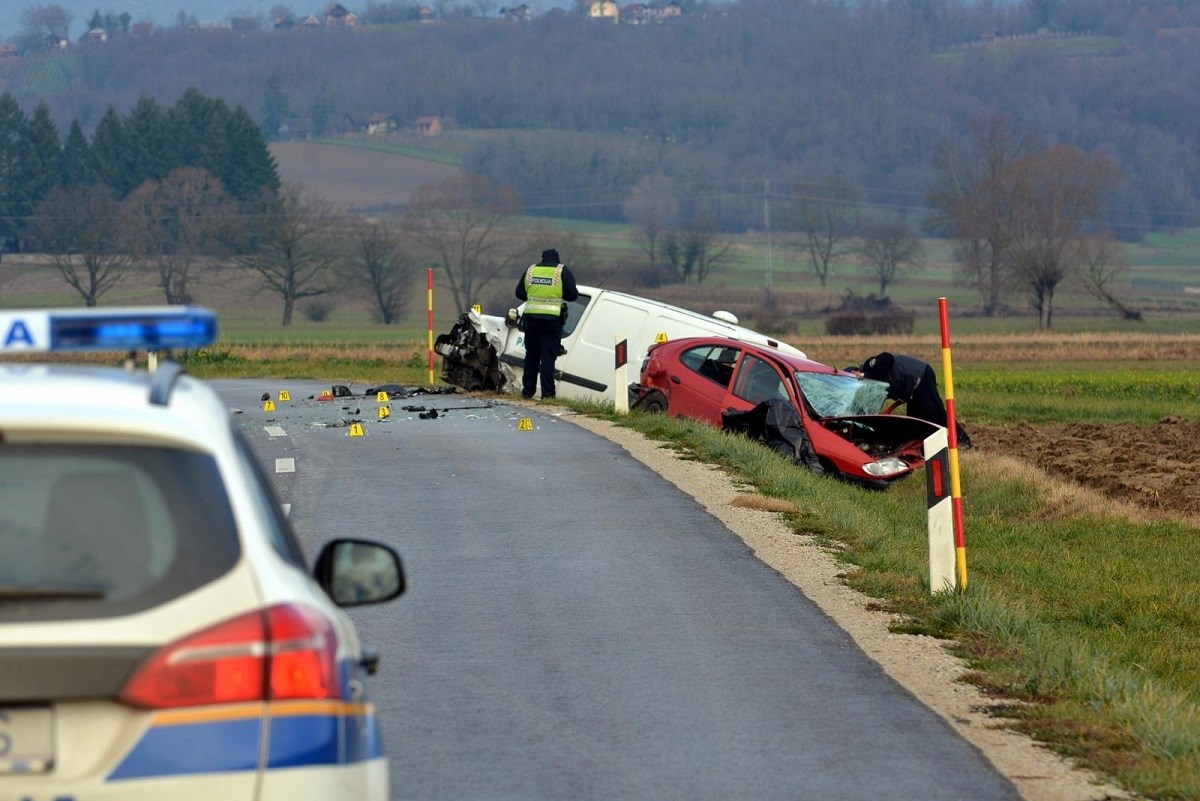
point(160, 633)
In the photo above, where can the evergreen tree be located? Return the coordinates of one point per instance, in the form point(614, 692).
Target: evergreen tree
point(13, 208)
point(111, 154)
point(217, 149)
point(43, 163)
point(77, 169)
point(195, 122)
point(250, 169)
point(152, 153)
point(322, 110)
point(274, 106)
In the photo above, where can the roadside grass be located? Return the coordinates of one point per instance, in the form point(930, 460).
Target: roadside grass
point(373, 364)
point(1085, 615)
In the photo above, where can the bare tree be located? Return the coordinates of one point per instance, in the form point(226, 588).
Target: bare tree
point(294, 255)
point(888, 247)
point(1103, 265)
point(695, 249)
point(972, 204)
point(826, 218)
point(383, 269)
point(654, 211)
point(82, 231)
point(39, 22)
point(459, 224)
point(484, 8)
point(1054, 196)
point(176, 224)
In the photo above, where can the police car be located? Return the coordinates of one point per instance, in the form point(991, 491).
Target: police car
point(160, 633)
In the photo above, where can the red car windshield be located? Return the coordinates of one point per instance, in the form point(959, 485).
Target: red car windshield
point(835, 395)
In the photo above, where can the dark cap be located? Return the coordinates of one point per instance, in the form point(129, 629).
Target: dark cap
point(878, 366)
point(550, 256)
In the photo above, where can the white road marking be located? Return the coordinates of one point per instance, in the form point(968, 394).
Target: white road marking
point(275, 431)
point(287, 509)
point(285, 465)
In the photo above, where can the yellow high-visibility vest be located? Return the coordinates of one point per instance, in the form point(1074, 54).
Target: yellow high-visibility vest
point(543, 290)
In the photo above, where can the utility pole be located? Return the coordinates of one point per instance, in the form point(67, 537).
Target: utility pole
point(767, 226)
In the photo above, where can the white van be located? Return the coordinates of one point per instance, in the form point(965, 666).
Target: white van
point(485, 352)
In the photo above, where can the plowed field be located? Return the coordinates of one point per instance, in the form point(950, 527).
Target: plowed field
point(1156, 467)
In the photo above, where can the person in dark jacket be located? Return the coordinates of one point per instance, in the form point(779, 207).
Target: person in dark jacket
point(912, 381)
point(544, 287)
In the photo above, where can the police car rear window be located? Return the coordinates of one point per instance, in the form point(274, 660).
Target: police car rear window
point(92, 531)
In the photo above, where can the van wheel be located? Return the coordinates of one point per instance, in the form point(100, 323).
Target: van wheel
point(654, 403)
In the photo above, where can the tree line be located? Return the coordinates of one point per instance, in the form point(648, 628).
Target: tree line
point(185, 193)
point(191, 190)
point(124, 154)
point(858, 94)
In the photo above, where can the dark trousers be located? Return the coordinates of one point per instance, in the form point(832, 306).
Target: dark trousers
point(543, 337)
point(926, 404)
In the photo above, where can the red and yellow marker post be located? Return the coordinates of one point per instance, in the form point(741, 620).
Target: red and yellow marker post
point(430, 305)
point(960, 541)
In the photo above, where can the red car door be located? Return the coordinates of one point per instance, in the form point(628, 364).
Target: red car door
point(755, 381)
point(700, 381)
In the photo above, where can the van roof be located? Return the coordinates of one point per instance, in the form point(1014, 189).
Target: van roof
point(736, 331)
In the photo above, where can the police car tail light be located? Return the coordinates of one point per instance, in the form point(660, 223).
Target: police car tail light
point(278, 653)
point(303, 650)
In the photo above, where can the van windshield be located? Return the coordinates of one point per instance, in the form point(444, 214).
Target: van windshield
point(575, 313)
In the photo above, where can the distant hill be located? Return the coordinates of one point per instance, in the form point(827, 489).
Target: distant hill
point(356, 179)
point(162, 14)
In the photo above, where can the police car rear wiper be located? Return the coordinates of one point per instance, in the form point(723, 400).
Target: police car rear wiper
point(34, 592)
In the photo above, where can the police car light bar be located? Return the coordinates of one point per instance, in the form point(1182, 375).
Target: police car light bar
point(147, 328)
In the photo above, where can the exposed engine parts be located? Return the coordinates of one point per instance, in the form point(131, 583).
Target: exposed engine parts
point(469, 360)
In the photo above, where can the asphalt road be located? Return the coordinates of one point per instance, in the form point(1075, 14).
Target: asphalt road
point(576, 627)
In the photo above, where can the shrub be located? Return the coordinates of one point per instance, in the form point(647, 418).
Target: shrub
point(318, 311)
point(891, 321)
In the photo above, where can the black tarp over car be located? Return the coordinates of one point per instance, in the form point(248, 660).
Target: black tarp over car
point(776, 423)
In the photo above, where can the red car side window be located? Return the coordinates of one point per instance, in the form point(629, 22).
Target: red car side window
point(714, 362)
point(758, 381)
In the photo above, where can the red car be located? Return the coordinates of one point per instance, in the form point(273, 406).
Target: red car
point(706, 377)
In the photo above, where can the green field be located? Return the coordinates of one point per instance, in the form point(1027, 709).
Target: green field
point(395, 148)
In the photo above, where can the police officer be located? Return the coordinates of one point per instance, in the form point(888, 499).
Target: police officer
point(544, 287)
point(911, 380)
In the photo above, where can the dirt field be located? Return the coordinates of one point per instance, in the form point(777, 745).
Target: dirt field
point(358, 180)
point(1154, 468)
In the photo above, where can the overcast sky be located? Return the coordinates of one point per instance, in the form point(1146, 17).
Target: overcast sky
point(163, 12)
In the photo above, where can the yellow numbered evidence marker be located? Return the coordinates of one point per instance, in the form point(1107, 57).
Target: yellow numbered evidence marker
point(384, 412)
point(356, 430)
point(382, 397)
point(661, 337)
point(526, 424)
point(269, 406)
point(284, 395)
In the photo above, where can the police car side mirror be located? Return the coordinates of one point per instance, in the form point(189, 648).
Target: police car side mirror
point(358, 572)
